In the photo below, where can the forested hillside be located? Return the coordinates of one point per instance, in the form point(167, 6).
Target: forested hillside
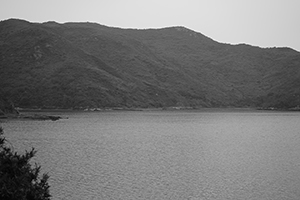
point(81, 65)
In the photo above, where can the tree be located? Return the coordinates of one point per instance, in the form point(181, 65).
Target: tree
point(18, 179)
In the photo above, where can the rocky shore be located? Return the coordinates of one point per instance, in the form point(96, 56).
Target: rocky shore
point(41, 117)
point(8, 111)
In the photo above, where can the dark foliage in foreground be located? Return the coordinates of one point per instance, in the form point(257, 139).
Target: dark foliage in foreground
point(18, 179)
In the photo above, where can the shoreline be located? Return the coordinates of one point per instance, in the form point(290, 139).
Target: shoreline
point(66, 110)
point(24, 116)
point(54, 114)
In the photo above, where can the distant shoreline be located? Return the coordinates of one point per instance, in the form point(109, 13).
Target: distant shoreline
point(54, 114)
point(24, 110)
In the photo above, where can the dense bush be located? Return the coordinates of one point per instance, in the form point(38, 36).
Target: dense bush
point(18, 179)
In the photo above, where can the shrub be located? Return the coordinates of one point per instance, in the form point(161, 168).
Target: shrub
point(18, 179)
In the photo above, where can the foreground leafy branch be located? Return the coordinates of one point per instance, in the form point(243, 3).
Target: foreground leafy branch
point(18, 179)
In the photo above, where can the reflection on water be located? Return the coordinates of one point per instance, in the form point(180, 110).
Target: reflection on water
point(166, 155)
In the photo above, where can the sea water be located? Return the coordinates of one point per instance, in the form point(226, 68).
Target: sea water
point(210, 154)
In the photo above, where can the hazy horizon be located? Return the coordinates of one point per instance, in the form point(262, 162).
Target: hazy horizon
point(258, 23)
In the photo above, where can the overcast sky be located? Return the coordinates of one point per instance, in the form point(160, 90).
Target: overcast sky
point(264, 23)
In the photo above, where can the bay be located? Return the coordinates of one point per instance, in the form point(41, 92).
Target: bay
point(209, 154)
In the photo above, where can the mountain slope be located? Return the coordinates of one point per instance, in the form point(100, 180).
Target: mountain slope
point(78, 65)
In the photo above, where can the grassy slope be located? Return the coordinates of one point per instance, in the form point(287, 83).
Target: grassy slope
point(86, 64)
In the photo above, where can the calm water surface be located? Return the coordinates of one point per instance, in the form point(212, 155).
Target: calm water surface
point(167, 154)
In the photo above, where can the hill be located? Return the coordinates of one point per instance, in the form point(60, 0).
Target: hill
point(80, 65)
point(7, 107)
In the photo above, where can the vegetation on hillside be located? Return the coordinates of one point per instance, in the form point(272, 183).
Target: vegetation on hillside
point(81, 65)
point(18, 179)
point(6, 106)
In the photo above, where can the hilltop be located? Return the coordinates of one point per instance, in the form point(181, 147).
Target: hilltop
point(81, 65)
